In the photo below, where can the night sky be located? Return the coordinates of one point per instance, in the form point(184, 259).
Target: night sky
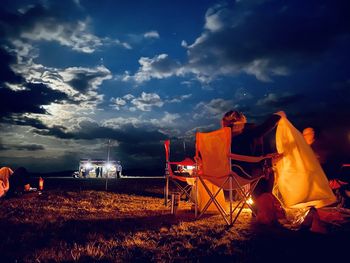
point(76, 73)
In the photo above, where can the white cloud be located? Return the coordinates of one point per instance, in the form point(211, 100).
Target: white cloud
point(147, 101)
point(262, 70)
point(123, 44)
point(118, 103)
point(212, 109)
point(90, 78)
point(80, 84)
point(128, 96)
point(119, 122)
point(159, 67)
point(179, 99)
point(167, 120)
point(213, 19)
point(151, 34)
point(73, 35)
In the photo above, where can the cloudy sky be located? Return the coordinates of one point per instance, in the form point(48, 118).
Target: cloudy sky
point(77, 73)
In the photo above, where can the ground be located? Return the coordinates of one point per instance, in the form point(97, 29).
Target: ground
point(78, 220)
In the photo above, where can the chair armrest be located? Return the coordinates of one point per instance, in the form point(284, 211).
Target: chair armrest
point(242, 170)
point(246, 158)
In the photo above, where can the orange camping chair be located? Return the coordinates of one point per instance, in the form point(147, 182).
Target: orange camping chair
point(214, 167)
point(181, 182)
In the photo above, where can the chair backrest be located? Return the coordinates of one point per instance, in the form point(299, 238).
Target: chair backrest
point(167, 150)
point(213, 148)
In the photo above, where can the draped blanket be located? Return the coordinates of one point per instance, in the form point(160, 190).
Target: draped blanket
point(5, 174)
point(300, 181)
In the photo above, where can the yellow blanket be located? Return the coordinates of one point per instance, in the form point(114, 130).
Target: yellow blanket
point(300, 181)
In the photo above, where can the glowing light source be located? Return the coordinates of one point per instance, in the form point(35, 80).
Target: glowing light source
point(189, 167)
point(88, 165)
point(108, 166)
point(250, 200)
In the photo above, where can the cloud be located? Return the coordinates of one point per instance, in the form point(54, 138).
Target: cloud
point(167, 120)
point(120, 43)
point(83, 79)
point(247, 37)
point(146, 101)
point(179, 99)
point(51, 96)
point(278, 101)
point(39, 23)
point(90, 130)
point(159, 67)
point(212, 109)
point(27, 147)
point(118, 103)
point(120, 122)
point(151, 34)
point(73, 35)
point(29, 100)
point(6, 73)
point(51, 22)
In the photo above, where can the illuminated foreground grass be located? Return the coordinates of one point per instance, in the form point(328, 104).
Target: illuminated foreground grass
point(95, 225)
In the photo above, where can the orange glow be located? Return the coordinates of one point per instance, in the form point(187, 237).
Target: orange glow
point(41, 184)
point(250, 200)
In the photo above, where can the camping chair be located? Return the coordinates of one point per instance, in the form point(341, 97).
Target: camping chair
point(181, 182)
point(212, 153)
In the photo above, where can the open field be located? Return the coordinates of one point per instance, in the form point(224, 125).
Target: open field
point(76, 220)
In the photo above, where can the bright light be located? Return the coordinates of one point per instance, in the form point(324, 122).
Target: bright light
point(88, 165)
point(189, 167)
point(250, 200)
point(108, 166)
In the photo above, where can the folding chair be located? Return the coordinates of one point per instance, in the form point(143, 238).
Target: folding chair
point(182, 183)
point(213, 150)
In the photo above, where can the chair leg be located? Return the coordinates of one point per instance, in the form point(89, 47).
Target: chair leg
point(230, 200)
point(238, 213)
point(196, 198)
point(213, 200)
point(166, 192)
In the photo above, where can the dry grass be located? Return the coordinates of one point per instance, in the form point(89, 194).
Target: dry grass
point(91, 225)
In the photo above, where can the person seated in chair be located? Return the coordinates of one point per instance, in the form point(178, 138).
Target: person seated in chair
point(247, 140)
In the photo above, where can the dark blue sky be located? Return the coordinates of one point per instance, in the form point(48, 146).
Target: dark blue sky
point(76, 73)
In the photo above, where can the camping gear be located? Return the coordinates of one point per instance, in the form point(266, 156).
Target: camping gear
point(213, 151)
point(300, 181)
point(183, 182)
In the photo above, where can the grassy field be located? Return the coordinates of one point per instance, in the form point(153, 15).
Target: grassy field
point(77, 220)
